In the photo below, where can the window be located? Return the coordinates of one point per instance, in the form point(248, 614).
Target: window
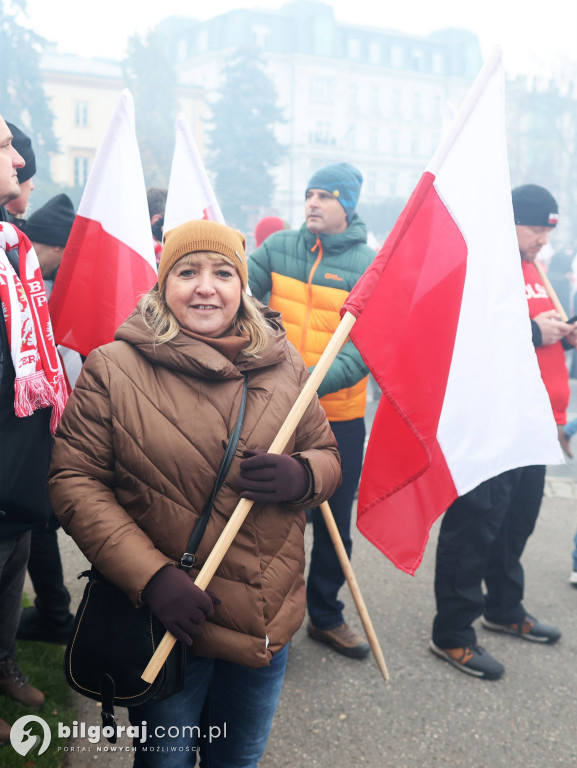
point(396, 102)
point(438, 64)
point(416, 104)
point(354, 48)
point(81, 114)
point(321, 134)
point(321, 90)
point(395, 142)
point(417, 59)
point(374, 53)
point(202, 41)
point(81, 168)
point(181, 49)
point(261, 35)
point(397, 56)
point(374, 139)
point(353, 96)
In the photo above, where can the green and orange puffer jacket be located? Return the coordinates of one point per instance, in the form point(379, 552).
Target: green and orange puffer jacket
point(309, 278)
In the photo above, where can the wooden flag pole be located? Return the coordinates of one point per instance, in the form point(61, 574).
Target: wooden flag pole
point(354, 587)
point(243, 507)
point(551, 291)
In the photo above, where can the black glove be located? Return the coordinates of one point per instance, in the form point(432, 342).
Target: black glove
point(178, 603)
point(273, 478)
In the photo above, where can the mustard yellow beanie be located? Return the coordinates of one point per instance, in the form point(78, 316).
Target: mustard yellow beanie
point(202, 235)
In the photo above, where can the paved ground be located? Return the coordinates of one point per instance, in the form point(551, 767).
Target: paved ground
point(334, 711)
point(339, 712)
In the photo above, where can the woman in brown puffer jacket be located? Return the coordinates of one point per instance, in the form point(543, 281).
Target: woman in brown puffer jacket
point(135, 461)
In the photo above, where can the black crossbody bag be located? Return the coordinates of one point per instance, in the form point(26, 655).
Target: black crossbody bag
point(112, 642)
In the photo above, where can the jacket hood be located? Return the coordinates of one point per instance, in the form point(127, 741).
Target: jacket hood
point(354, 234)
point(195, 358)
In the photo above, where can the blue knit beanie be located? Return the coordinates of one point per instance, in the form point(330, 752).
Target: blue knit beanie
point(343, 181)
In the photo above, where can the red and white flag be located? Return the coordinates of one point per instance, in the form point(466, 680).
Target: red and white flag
point(109, 262)
point(190, 194)
point(443, 324)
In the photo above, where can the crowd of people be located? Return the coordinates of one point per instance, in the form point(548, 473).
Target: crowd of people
point(128, 463)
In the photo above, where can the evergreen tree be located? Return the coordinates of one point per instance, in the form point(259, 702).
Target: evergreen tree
point(243, 144)
point(22, 98)
point(152, 80)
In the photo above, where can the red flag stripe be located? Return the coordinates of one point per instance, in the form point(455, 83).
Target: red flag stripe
point(413, 307)
point(94, 294)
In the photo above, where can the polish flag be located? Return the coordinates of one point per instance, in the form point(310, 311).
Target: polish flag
point(190, 194)
point(443, 324)
point(109, 262)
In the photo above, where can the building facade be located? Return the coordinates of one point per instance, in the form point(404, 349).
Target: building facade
point(373, 97)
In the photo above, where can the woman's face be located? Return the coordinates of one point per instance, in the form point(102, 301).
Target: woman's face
point(203, 292)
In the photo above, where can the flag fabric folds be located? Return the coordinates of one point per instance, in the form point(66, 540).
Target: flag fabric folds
point(109, 262)
point(190, 194)
point(443, 324)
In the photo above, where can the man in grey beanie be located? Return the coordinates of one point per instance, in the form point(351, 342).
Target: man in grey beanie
point(309, 273)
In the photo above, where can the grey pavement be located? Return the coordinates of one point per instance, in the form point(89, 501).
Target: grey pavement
point(339, 712)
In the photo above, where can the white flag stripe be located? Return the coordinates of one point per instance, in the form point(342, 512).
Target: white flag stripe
point(115, 192)
point(496, 414)
point(190, 194)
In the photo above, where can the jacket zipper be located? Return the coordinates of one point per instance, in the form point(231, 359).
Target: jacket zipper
point(309, 308)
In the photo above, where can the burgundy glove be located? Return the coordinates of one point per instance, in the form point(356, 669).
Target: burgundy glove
point(271, 477)
point(178, 603)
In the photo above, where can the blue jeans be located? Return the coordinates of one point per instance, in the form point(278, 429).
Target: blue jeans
point(575, 554)
point(326, 576)
point(224, 711)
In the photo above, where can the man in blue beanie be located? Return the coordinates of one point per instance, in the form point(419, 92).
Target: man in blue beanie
point(309, 273)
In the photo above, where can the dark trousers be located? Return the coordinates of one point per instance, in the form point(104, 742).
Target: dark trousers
point(45, 568)
point(482, 538)
point(13, 559)
point(326, 576)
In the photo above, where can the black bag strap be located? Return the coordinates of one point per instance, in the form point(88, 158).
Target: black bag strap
point(189, 557)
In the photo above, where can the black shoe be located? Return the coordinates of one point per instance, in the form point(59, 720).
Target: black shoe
point(34, 627)
point(342, 639)
point(472, 660)
point(530, 629)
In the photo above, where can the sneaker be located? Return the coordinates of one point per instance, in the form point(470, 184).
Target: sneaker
point(342, 639)
point(573, 578)
point(472, 660)
point(5, 729)
point(34, 627)
point(530, 629)
point(15, 684)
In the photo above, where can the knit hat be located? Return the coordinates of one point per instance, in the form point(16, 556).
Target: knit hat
point(343, 181)
point(266, 227)
point(52, 223)
point(202, 235)
point(534, 206)
point(23, 146)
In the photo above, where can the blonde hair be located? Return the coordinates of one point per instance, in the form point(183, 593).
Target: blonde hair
point(249, 322)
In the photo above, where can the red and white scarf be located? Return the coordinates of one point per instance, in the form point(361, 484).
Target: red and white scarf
point(39, 381)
